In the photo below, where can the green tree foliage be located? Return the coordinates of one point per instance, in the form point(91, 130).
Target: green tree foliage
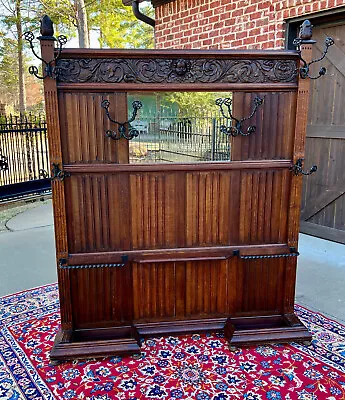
point(70, 16)
point(114, 23)
point(118, 27)
point(8, 70)
point(193, 103)
point(62, 13)
point(15, 19)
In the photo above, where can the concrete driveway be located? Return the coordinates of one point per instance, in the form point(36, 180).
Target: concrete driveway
point(27, 259)
point(27, 251)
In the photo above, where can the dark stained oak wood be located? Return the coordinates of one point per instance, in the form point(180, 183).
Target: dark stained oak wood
point(154, 53)
point(63, 351)
point(178, 230)
point(181, 87)
point(59, 205)
point(202, 166)
point(271, 334)
point(175, 254)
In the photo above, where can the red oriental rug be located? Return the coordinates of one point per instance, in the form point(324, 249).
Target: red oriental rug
point(186, 367)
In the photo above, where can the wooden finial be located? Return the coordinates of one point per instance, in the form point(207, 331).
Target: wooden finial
point(306, 30)
point(47, 29)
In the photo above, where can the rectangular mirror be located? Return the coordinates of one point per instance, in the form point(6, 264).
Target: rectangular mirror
point(178, 127)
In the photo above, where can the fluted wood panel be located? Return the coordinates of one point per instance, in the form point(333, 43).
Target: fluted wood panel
point(275, 124)
point(154, 291)
point(101, 297)
point(263, 201)
point(209, 200)
point(99, 213)
point(178, 209)
point(161, 291)
point(84, 125)
point(181, 290)
point(259, 286)
point(158, 210)
point(207, 287)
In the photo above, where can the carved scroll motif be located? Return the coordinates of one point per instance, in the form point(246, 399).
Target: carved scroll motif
point(166, 71)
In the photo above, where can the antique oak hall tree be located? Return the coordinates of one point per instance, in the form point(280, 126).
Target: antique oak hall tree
point(162, 248)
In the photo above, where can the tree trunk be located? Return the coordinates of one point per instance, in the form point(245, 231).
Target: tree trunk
point(22, 97)
point(83, 32)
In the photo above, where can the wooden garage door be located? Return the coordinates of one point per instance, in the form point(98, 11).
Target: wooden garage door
point(323, 200)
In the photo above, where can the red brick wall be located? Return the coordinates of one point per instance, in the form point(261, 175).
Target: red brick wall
point(230, 23)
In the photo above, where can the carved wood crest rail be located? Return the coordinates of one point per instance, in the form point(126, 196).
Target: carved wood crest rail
point(184, 70)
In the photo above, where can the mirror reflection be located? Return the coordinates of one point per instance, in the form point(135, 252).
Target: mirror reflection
point(178, 127)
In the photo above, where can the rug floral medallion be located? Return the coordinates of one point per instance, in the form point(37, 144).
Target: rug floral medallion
point(197, 367)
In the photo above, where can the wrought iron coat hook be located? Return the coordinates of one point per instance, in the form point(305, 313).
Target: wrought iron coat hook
point(58, 173)
point(297, 168)
point(237, 128)
point(122, 130)
point(305, 37)
point(47, 32)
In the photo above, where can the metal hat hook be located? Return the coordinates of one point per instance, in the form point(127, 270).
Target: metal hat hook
point(304, 37)
point(47, 32)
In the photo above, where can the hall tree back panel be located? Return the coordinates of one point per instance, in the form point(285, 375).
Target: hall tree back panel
point(151, 249)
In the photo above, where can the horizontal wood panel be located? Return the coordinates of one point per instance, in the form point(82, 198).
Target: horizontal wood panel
point(324, 232)
point(155, 53)
point(121, 70)
point(176, 87)
point(177, 254)
point(177, 209)
point(178, 291)
point(326, 131)
point(201, 166)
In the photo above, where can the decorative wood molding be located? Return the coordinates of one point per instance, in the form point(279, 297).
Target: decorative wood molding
point(176, 70)
point(171, 255)
point(170, 167)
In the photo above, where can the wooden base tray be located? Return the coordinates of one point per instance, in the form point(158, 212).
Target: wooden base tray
point(243, 331)
point(248, 331)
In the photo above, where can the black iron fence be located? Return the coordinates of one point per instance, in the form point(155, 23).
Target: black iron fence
point(24, 160)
